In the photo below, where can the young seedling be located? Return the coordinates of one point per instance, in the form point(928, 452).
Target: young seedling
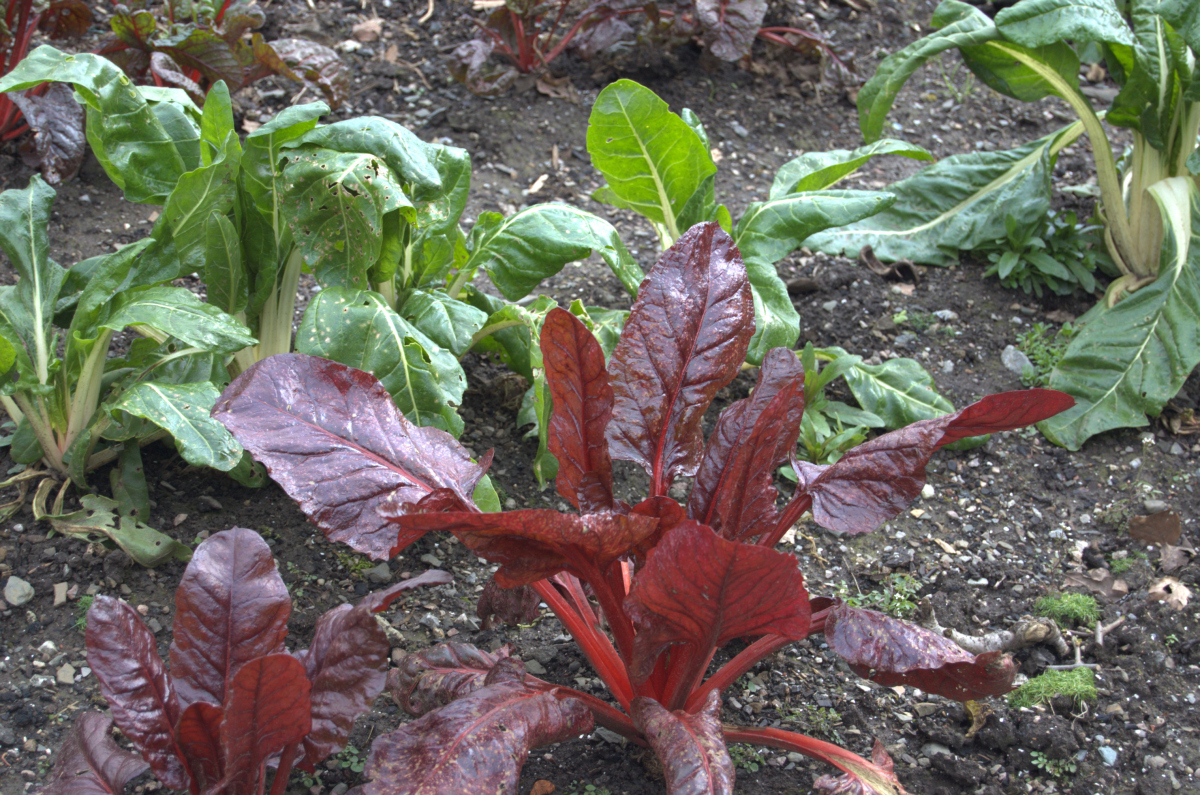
point(649, 591)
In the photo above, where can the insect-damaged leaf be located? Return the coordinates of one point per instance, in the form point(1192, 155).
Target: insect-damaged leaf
point(690, 746)
point(124, 656)
point(477, 743)
point(734, 491)
point(434, 677)
point(876, 480)
point(686, 337)
point(90, 762)
point(230, 608)
point(877, 778)
point(731, 590)
point(533, 544)
point(331, 436)
point(893, 652)
point(58, 145)
point(583, 401)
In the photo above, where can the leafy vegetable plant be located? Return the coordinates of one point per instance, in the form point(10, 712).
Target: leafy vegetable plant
point(650, 592)
point(234, 697)
point(1135, 349)
point(1059, 255)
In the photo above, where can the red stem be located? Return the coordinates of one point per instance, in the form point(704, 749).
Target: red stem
point(731, 671)
point(8, 136)
point(822, 751)
point(685, 675)
point(794, 510)
point(606, 714)
point(595, 646)
point(611, 606)
point(279, 785)
point(221, 13)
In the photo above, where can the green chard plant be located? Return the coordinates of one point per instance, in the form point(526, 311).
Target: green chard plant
point(1135, 349)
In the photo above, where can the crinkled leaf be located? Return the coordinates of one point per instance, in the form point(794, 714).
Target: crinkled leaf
point(822, 170)
point(432, 678)
point(478, 743)
point(690, 747)
point(685, 338)
point(513, 606)
point(1038, 22)
point(582, 400)
point(315, 64)
point(199, 733)
point(729, 28)
point(123, 654)
point(205, 51)
point(89, 762)
point(448, 322)
point(732, 590)
point(893, 652)
point(183, 410)
point(58, 144)
point(470, 65)
point(97, 520)
point(231, 607)
point(266, 709)
point(898, 391)
point(331, 436)
point(734, 491)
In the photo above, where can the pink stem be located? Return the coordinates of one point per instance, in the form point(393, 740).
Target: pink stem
point(595, 646)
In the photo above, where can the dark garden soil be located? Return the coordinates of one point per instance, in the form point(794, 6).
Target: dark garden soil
point(1002, 525)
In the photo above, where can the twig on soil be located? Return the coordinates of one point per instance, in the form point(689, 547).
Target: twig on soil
point(1029, 631)
point(812, 542)
point(1104, 629)
point(1079, 663)
point(428, 13)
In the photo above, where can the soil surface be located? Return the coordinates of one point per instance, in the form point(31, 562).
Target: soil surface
point(1003, 524)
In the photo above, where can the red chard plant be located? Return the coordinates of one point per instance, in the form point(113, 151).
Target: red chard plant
point(652, 591)
point(235, 699)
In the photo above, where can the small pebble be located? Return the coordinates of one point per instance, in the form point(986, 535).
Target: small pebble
point(1015, 361)
point(17, 592)
point(739, 130)
point(1109, 755)
point(379, 574)
point(60, 593)
point(432, 560)
point(1155, 506)
point(66, 674)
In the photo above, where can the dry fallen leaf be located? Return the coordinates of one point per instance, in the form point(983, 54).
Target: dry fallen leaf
point(1098, 581)
point(250, 126)
point(558, 87)
point(537, 185)
point(1157, 528)
point(1176, 557)
point(1171, 591)
point(978, 714)
point(368, 30)
point(1060, 316)
point(542, 787)
point(949, 549)
point(391, 54)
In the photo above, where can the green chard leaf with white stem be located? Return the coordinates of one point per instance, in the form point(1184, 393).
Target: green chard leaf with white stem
point(1126, 362)
point(899, 391)
point(225, 275)
point(182, 410)
point(821, 170)
point(98, 520)
point(450, 323)
point(178, 313)
point(199, 194)
point(359, 329)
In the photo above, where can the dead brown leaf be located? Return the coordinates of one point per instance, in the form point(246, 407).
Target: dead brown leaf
point(1157, 528)
point(1096, 73)
point(1171, 591)
point(1060, 316)
point(558, 88)
point(542, 787)
point(901, 271)
point(978, 714)
point(391, 54)
point(368, 30)
point(1176, 557)
point(1100, 582)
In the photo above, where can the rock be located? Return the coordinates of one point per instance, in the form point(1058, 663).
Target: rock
point(927, 491)
point(925, 709)
point(60, 593)
point(48, 649)
point(829, 306)
point(41, 680)
point(906, 340)
point(947, 367)
point(946, 315)
point(154, 626)
point(6, 735)
point(17, 592)
point(1176, 449)
point(1155, 761)
point(340, 789)
point(1109, 755)
point(932, 749)
point(609, 736)
point(66, 674)
point(1155, 506)
point(379, 574)
point(1014, 360)
point(432, 560)
point(739, 130)
point(534, 667)
point(430, 620)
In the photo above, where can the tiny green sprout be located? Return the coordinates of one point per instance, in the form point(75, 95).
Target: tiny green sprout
point(1119, 566)
point(901, 317)
point(1171, 640)
point(1078, 684)
point(1073, 608)
point(81, 610)
point(746, 757)
point(1057, 768)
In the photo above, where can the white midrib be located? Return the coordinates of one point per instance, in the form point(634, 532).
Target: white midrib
point(664, 203)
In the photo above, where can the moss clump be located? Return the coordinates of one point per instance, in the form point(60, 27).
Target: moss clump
point(1073, 608)
point(1079, 685)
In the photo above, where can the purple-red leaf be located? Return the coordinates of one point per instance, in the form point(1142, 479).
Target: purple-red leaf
point(199, 733)
point(583, 402)
point(58, 144)
point(893, 652)
point(878, 779)
point(734, 491)
point(207, 52)
point(124, 656)
point(65, 19)
point(513, 606)
point(434, 677)
point(477, 743)
point(331, 436)
point(701, 590)
point(729, 28)
point(381, 600)
point(347, 666)
point(267, 709)
point(534, 544)
point(230, 608)
point(315, 64)
point(686, 337)
point(877, 480)
point(690, 747)
point(90, 763)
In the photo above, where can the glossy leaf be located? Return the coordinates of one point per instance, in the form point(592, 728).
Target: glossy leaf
point(685, 338)
point(123, 654)
point(332, 438)
point(582, 400)
point(266, 709)
point(732, 590)
point(449, 323)
point(183, 411)
point(225, 275)
point(379, 601)
point(65, 19)
point(898, 391)
point(690, 747)
point(89, 762)
point(58, 145)
point(203, 50)
point(29, 308)
point(231, 607)
point(1040, 22)
point(729, 28)
point(208, 190)
point(893, 652)
point(823, 170)
point(476, 744)
point(513, 606)
point(199, 733)
point(178, 312)
point(431, 678)
point(734, 491)
point(315, 64)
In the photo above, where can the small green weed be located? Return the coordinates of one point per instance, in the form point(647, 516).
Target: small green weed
point(1060, 254)
point(817, 721)
point(355, 564)
point(895, 596)
point(350, 758)
point(81, 610)
point(1044, 350)
point(1171, 640)
point(1119, 566)
point(1073, 608)
point(747, 757)
point(1057, 768)
point(586, 789)
point(1079, 685)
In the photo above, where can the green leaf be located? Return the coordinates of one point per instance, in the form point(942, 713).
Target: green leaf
point(485, 496)
point(359, 329)
point(197, 196)
point(262, 177)
point(1126, 362)
point(128, 482)
point(124, 132)
point(1034, 23)
point(216, 124)
point(513, 343)
point(536, 408)
point(520, 251)
point(249, 472)
point(821, 170)
point(768, 232)
point(224, 273)
point(899, 391)
point(652, 160)
point(182, 410)
point(98, 521)
point(851, 416)
point(448, 322)
point(178, 312)
point(997, 67)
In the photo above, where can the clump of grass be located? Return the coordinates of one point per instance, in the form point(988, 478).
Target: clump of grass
point(1078, 684)
point(1073, 608)
point(81, 610)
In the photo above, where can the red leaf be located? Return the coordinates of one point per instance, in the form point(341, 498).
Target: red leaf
point(685, 338)
point(879, 780)
point(583, 403)
point(316, 65)
point(331, 436)
point(58, 144)
point(534, 544)
point(862, 777)
point(691, 747)
point(729, 28)
point(170, 73)
point(124, 656)
point(381, 600)
point(230, 608)
point(207, 52)
point(199, 733)
point(877, 480)
point(65, 19)
point(134, 29)
point(893, 652)
point(513, 606)
point(701, 590)
point(434, 677)
point(734, 492)
point(90, 763)
point(347, 666)
point(477, 743)
point(267, 709)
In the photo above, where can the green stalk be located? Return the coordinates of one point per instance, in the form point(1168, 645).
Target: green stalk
point(492, 329)
point(14, 412)
point(388, 291)
point(460, 281)
point(87, 389)
point(39, 421)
